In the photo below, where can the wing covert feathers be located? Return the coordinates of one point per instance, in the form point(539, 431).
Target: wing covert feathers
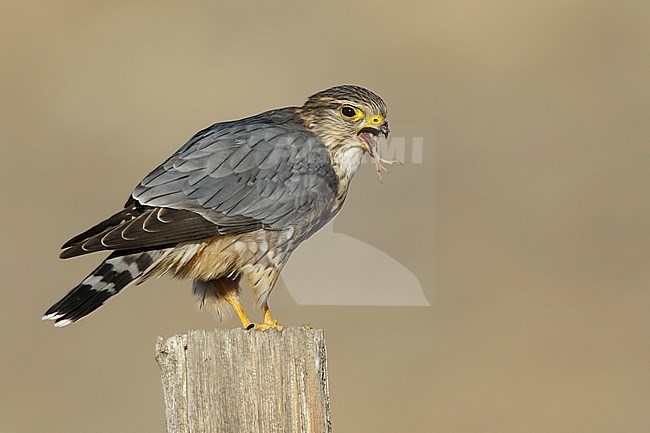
point(152, 228)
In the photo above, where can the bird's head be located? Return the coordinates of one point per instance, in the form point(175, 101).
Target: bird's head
point(347, 117)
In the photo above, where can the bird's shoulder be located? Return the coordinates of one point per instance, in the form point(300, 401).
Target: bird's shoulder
point(272, 127)
point(267, 167)
point(236, 144)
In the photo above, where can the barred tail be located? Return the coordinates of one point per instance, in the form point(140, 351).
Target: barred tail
point(118, 271)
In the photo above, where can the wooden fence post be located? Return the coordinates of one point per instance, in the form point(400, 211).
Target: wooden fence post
point(237, 381)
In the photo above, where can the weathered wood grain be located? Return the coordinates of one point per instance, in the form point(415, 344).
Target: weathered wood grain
point(234, 381)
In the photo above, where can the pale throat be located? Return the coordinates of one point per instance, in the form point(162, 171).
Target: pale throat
point(348, 159)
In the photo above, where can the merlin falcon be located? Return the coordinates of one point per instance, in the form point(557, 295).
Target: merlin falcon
point(235, 201)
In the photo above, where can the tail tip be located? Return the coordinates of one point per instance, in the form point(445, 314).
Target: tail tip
point(58, 319)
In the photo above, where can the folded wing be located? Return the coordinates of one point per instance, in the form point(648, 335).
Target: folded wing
point(234, 177)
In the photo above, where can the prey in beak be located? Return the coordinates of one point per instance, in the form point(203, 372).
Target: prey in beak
point(369, 137)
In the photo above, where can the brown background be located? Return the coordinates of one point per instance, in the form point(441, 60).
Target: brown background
point(537, 171)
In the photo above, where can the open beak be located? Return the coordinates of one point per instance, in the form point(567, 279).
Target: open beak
point(369, 137)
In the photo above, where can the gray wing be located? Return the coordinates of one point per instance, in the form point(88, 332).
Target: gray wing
point(243, 176)
point(233, 177)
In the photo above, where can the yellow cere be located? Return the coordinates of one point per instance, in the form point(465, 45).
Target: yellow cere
point(376, 120)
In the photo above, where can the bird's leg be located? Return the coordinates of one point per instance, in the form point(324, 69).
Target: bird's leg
point(269, 321)
point(233, 299)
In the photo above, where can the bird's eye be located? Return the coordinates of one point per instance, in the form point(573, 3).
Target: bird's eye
point(351, 113)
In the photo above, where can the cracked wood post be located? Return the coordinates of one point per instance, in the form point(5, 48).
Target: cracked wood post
point(233, 381)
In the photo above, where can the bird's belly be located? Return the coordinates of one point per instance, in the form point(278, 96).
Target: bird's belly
point(223, 256)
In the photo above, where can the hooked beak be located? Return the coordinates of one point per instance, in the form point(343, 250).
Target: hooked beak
point(385, 130)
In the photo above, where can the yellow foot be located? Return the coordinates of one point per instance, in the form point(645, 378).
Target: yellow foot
point(269, 322)
point(265, 326)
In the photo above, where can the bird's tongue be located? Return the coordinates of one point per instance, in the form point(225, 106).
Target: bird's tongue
point(371, 142)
